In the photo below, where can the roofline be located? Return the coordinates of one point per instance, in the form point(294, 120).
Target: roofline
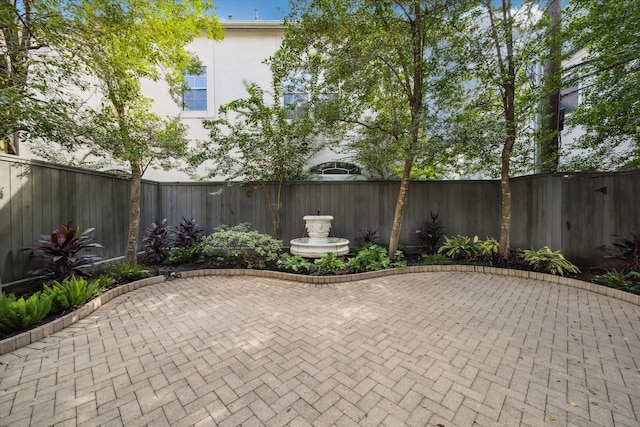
point(253, 25)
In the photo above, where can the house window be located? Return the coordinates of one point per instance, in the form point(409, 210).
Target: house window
point(295, 104)
point(335, 168)
point(195, 98)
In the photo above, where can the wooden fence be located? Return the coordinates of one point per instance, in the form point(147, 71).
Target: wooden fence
point(576, 213)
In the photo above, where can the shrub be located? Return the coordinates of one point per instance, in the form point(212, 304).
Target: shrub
point(294, 264)
point(461, 247)
point(613, 279)
point(185, 255)
point(628, 251)
point(465, 248)
point(103, 282)
point(241, 246)
point(430, 233)
point(60, 253)
point(121, 273)
point(548, 261)
point(367, 237)
point(371, 258)
point(188, 233)
point(71, 292)
point(19, 314)
point(328, 264)
point(157, 242)
point(435, 259)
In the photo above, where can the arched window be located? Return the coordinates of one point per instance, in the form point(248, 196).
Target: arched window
point(335, 168)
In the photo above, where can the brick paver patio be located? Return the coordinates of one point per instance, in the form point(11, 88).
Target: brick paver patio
point(436, 349)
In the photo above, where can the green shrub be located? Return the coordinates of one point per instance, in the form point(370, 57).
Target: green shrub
point(328, 264)
point(461, 247)
point(372, 258)
point(612, 279)
point(547, 261)
point(435, 259)
point(465, 248)
point(71, 292)
point(489, 247)
point(242, 247)
point(294, 264)
point(19, 314)
point(103, 282)
point(122, 273)
point(185, 255)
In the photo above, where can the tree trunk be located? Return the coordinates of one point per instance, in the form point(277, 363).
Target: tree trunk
point(550, 152)
point(505, 210)
point(402, 200)
point(505, 185)
point(134, 213)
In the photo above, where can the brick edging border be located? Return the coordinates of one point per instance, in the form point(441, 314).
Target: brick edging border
point(36, 334)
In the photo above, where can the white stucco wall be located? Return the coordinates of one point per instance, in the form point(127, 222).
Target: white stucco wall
point(238, 58)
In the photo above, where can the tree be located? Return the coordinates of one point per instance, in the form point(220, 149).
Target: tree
point(33, 99)
point(256, 140)
point(608, 80)
point(119, 43)
point(495, 124)
point(386, 62)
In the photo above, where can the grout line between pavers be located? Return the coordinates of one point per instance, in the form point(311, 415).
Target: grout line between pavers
point(33, 335)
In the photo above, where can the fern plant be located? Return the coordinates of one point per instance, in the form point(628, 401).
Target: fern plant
point(548, 261)
point(71, 292)
point(19, 314)
point(121, 273)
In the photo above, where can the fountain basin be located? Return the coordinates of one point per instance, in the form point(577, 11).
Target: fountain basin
point(309, 248)
point(318, 227)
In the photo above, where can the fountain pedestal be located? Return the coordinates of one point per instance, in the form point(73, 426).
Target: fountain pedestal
point(318, 244)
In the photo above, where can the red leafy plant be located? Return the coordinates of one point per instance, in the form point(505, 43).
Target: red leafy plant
point(61, 254)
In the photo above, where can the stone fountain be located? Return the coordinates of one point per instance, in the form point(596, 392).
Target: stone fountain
point(318, 244)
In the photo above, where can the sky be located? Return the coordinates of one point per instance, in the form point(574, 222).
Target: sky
point(244, 10)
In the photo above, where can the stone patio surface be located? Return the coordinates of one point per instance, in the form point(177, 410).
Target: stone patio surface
point(428, 349)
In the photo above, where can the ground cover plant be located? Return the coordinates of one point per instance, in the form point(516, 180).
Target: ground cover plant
point(373, 257)
point(71, 293)
point(19, 314)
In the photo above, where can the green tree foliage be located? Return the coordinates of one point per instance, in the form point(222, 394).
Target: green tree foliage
point(493, 131)
point(34, 102)
point(386, 62)
point(119, 43)
point(255, 141)
point(608, 78)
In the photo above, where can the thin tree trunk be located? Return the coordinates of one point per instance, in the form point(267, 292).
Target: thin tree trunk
point(505, 210)
point(505, 185)
point(402, 200)
point(550, 152)
point(274, 209)
point(134, 213)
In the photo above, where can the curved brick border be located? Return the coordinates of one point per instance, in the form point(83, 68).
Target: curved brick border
point(36, 334)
